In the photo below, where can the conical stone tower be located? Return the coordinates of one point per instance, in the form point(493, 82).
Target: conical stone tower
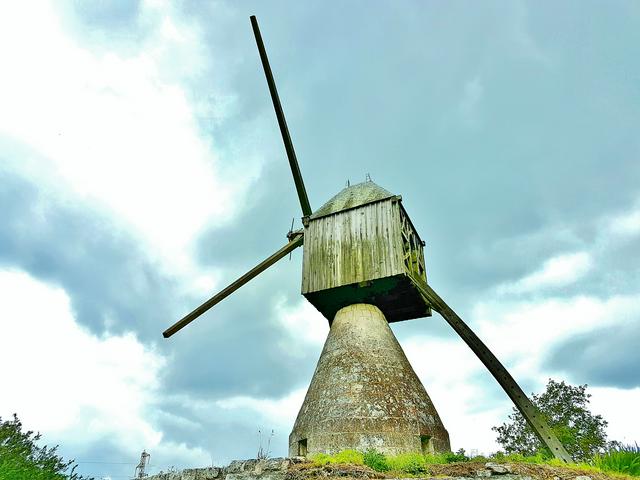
point(364, 394)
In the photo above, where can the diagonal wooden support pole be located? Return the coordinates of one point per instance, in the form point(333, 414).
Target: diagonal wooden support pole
point(295, 240)
point(531, 414)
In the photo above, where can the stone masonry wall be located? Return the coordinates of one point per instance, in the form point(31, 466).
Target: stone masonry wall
point(270, 469)
point(365, 394)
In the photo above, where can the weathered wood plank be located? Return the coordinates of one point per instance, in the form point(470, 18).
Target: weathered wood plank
point(352, 246)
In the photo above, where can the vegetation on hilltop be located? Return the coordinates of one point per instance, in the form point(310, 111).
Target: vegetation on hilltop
point(22, 459)
point(620, 462)
point(565, 408)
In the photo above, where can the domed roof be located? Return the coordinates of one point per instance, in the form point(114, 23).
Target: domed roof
point(353, 196)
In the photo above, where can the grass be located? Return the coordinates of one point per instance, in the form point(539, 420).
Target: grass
point(409, 463)
point(621, 462)
point(412, 463)
point(351, 457)
point(623, 459)
point(376, 460)
point(519, 458)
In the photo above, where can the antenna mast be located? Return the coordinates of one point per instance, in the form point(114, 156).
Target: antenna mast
point(139, 471)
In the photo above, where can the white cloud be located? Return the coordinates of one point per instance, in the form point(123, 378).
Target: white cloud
point(556, 272)
point(118, 130)
point(304, 326)
point(522, 39)
point(450, 373)
point(471, 97)
point(278, 413)
point(521, 332)
point(618, 407)
point(243, 413)
point(626, 224)
point(70, 385)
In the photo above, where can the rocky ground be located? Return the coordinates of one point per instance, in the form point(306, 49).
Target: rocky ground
point(462, 470)
point(297, 469)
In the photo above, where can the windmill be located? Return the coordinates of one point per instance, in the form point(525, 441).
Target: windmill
point(363, 268)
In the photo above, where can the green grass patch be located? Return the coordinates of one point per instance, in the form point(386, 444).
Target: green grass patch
point(620, 462)
point(352, 457)
point(538, 459)
point(376, 461)
point(412, 463)
point(459, 456)
point(623, 459)
point(409, 463)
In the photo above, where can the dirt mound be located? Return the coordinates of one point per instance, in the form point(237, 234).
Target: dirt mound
point(305, 471)
point(536, 471)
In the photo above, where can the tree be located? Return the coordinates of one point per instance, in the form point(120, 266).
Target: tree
point(565, 409)
point(22, 459)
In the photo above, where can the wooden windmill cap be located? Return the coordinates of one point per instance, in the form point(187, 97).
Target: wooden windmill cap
point(353, 196)
point(360, 247)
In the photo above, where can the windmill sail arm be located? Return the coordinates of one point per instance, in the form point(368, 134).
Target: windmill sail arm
point(500, 373)
point(295, 240)
point(282, 123)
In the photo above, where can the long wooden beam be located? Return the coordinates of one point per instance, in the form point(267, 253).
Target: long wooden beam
point(533, 417)
point(295, 240)
point(284, 130)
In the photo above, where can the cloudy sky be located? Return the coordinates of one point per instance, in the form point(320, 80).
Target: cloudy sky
point(141, 170)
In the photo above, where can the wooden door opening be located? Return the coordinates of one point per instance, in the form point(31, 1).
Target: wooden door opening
point(426, 445)
point(302, 447)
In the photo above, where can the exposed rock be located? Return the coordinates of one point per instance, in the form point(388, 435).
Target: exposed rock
point(506, 477)
point(306, 471)
point(298, 469)
point(253, 469)
point(211, 473)
point(497, 468)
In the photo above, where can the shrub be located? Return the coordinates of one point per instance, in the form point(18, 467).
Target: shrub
point(376, 461)
point(345, 456)
point(22, 458)
point(413, 463)
point(321, 459)
point(459, 456)
point(566, 410)
point(540, 457)
point(349, 456)
point(481, 459)
point(435, 458)
point(623, 459)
